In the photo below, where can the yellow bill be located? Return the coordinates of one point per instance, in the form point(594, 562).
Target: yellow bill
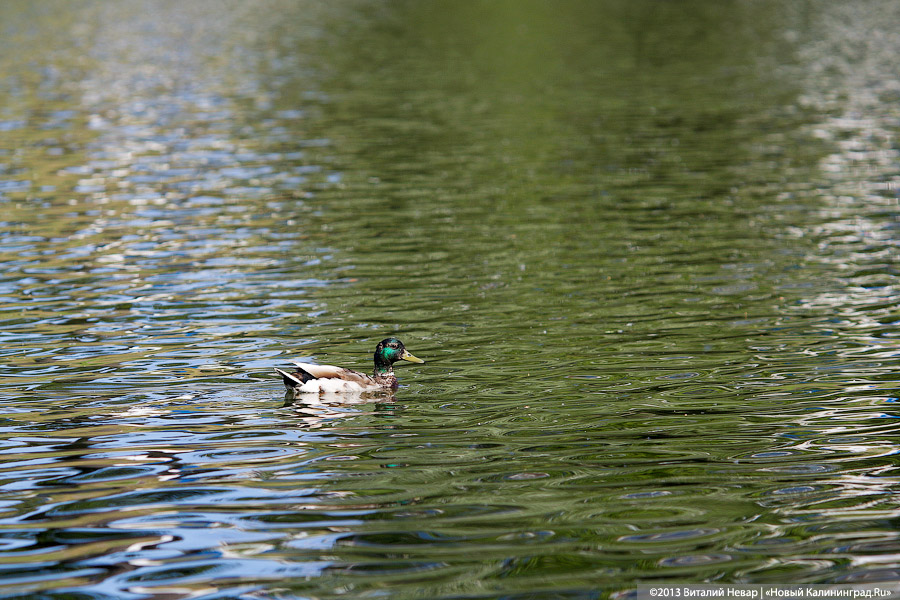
point(407, 356)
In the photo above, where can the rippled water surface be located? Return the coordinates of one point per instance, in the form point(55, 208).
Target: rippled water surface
point(647, 249)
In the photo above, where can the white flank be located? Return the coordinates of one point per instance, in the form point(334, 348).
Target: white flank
point(330, 386)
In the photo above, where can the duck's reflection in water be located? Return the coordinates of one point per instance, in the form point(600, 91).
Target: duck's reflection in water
point(318, 410)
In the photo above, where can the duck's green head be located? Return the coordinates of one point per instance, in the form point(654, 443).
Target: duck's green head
point(388, 352)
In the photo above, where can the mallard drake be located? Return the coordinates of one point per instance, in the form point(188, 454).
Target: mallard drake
point(327, 379)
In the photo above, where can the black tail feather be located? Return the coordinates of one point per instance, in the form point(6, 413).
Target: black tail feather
point(295, 379)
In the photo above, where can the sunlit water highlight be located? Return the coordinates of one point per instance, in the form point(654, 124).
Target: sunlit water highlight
point(647, 251)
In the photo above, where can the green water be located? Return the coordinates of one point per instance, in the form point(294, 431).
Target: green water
point(647, 250)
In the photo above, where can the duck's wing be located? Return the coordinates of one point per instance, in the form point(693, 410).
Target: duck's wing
point(330, 372)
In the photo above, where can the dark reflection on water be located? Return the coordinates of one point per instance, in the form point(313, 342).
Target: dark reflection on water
point(647, 250)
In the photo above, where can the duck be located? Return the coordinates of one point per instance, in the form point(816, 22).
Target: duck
point(319, 379)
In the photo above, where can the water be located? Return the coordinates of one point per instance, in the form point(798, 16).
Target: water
point(648, 251)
